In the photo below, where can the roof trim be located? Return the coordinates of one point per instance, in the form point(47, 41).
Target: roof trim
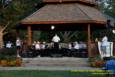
point(43, 16)
point(67, 22)
point(70, 1)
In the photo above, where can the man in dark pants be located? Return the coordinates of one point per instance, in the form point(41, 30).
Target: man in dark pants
point(56, 40)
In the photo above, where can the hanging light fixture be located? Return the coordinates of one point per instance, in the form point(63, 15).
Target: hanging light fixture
point(52, 27)
point(113, 31)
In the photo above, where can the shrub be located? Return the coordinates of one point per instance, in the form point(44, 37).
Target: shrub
point(4, 62)
point(8, 51)
point(99, 63)
point(8, 57)
point(11, 62)
point(96, 62)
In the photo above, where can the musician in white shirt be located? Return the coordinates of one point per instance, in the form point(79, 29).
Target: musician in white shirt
point(37, 46)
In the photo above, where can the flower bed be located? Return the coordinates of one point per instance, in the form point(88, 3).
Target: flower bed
point(8, 58)
point(99, 63)
point(11, 63)
point(96, 62)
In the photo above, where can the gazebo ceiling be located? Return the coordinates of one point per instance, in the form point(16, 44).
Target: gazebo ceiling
point(65, 13)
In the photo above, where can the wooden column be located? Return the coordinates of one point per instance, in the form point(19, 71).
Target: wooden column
point(89, 40)
point(29, 35)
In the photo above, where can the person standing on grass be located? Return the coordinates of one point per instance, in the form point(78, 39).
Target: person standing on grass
point(18, 46)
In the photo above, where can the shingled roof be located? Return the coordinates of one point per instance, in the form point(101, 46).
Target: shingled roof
point(65, 13)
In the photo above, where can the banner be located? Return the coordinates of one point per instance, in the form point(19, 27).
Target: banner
point(105, 49)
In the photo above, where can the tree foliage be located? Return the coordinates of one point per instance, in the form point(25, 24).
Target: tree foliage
point(11, 12)
point(15, 10)
point(108, 7)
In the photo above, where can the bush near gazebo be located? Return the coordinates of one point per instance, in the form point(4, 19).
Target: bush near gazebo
point(96, 62)
point(8, 57)
point(99, 62)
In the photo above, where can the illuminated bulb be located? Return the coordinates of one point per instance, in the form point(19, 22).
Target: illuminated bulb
point(113, 31)
point(52, 27)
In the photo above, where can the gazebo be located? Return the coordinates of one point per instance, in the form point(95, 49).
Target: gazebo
point(65, 15)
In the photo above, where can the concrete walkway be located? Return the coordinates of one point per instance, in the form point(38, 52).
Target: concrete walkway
point(47, 63)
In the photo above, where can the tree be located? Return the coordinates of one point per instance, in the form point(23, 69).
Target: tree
point(108, 7)
point(3, 24)
point(11, 12)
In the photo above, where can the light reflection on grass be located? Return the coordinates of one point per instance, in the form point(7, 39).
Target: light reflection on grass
point(51, 73)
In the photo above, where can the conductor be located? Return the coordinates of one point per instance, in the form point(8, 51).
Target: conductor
point(56, 40)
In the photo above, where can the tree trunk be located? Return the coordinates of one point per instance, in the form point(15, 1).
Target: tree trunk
point(2, 32)
point(1, 40)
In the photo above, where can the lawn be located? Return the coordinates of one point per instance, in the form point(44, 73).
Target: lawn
point(39, 73)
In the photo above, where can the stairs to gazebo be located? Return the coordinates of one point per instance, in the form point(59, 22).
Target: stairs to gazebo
point(55, 62)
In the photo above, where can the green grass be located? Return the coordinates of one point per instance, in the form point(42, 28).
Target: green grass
point(37, 73)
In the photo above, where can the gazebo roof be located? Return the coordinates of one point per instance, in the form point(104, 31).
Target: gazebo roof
point(65, 13)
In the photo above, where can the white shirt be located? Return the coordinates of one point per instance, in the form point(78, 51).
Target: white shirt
point(82, 46)
point(37, 46)
point(56, 38)
point(8, 45)
point(43, 46)
point(70, 46)
point(18, 42)
point(105, 41)
point(76, 45)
